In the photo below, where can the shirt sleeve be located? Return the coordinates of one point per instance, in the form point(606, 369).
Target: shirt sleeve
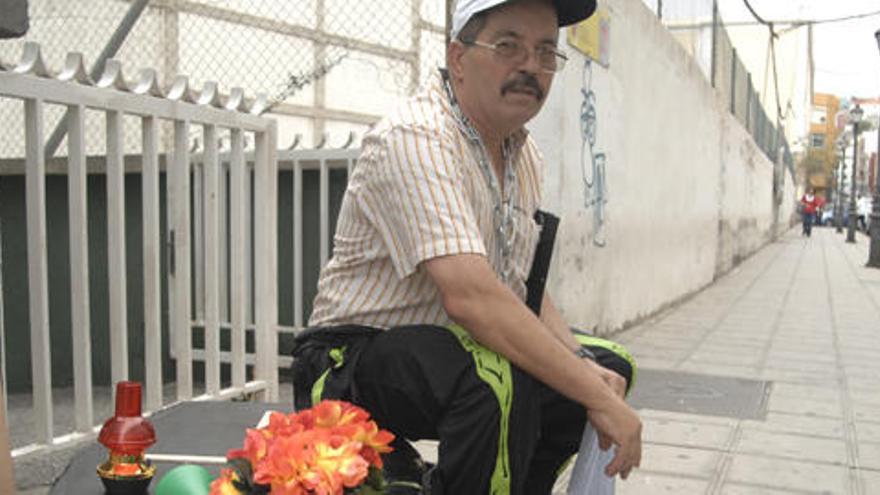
point(416, 198)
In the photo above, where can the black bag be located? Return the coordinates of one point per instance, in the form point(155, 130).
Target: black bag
point(327, 355)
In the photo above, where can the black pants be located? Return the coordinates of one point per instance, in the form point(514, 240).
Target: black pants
point(499, 432)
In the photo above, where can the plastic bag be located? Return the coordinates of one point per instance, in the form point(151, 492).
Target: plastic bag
point(588, 475)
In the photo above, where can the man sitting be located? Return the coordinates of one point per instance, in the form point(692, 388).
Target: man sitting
point(433, 246)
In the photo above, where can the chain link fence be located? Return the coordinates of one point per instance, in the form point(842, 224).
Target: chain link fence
point(330, 67)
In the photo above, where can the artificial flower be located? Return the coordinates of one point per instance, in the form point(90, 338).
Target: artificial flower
point(331, 449)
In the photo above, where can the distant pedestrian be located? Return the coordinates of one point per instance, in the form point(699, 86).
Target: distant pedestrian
point(809, 205)
point(863, 209)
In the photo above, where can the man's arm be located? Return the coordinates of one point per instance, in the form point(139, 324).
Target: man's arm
point(552, 319)
point(475, 299)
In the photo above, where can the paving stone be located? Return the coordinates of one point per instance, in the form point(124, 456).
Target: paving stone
point(788, 474)
point(864, 390)
point(720, 369)
point(803, 365)
point(798, 391)
point(700, 463)
point(804, 406)
point(869, 455)
point(779, 353)
point(686, 434)
point(740, 489)
point(865, 411)
point(681, 417)
point(643, 483)
point(798, 424)
point(871, 481)
point(868, 431)
point(755, 441)
point(729, 358)
point(799, 376)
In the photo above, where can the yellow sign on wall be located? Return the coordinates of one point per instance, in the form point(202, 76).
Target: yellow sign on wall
point(592, 36)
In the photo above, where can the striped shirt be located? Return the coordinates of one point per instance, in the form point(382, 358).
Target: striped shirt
point(418, 192)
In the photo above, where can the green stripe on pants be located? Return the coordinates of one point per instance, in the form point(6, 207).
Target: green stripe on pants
point(493, 369)
point(614, 347)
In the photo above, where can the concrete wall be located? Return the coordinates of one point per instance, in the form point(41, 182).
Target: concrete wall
point(687, 193)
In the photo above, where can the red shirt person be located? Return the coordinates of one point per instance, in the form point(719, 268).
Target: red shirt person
point(810, 204)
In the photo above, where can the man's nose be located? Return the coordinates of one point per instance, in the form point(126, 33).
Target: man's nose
point(532, 62)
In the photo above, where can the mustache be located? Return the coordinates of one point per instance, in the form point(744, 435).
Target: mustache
point(523, 80)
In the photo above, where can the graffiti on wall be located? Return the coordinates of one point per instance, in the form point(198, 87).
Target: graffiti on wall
point(592, 161)
point(591, 38)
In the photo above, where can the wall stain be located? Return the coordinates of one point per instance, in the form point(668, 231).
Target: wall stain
point(592, 161)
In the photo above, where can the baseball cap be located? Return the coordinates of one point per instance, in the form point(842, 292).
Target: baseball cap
point(568, 11)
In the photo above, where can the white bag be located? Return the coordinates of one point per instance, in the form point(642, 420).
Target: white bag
point(588, 475)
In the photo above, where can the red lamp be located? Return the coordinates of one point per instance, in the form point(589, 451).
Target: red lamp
point(127, 435)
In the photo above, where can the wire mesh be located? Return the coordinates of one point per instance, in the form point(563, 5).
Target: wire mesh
point(328, 64)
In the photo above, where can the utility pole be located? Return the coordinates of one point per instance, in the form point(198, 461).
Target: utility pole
point(839, 205)
point(874, 252)
point(855, 117)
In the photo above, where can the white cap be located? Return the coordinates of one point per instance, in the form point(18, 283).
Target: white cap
point(568, 11)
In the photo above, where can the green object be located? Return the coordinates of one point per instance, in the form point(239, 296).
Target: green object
point(337, 354)
point(494, 369)
point(613, 347)
point(188, 479)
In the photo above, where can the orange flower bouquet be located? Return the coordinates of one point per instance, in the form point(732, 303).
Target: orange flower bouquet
point(331, 449)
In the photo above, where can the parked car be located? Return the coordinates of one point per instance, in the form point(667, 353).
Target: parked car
point(863, 209)
point(826, 217)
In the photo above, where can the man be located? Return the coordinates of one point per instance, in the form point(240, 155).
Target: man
point(433, 246)
point(863, 210)
point(809, 205)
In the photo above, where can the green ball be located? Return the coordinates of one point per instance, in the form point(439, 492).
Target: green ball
point(188, 479)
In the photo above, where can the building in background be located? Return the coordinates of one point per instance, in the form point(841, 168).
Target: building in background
point(821, 157)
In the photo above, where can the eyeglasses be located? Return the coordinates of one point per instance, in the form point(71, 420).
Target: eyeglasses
point(514, 52)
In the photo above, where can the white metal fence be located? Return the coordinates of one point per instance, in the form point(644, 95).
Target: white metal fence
point(207, 273)
point(31, 83)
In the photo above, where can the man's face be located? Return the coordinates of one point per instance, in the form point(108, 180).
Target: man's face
point(505, 91)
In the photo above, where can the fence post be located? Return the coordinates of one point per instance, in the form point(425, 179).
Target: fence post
point(152, 264)
point(116, 264)
point(714, 61)
point(266, 264)
point(38, 274)
point(749, 103)
point(733, 82)
point(179, 213)
point(79, 267)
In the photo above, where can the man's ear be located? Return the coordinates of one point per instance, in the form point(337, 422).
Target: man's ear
point(454, 52)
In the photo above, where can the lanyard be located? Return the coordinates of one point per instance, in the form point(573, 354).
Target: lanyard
point(503, 218)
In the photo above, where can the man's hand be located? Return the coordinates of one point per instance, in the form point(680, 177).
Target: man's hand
point(613, 380)
point(617, 383)
point(619, 424)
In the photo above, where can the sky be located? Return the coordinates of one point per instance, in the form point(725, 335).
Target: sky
point(846, 55)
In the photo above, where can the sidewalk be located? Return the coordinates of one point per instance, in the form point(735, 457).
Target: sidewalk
point(803, 315)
